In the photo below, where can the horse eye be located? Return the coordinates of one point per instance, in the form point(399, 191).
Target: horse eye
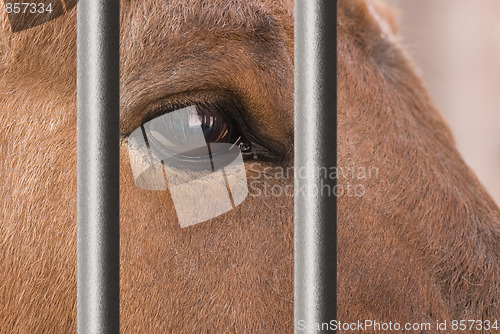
point(186, 132)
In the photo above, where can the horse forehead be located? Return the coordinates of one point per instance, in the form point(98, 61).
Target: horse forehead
point(165, 43)
point(155, 22)
point(174, 24)
point(175, 16)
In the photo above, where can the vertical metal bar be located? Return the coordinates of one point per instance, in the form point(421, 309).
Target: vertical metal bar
point(98, 167)
point(315, 150)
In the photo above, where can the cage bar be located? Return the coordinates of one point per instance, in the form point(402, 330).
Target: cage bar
point(98, 167)
point(315, 148)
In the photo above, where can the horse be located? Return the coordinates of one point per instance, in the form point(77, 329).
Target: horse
point(418, 239)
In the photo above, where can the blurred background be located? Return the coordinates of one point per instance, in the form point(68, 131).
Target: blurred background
point(455, 45)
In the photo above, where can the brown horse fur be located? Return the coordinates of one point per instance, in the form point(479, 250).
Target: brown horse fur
point(422, 244)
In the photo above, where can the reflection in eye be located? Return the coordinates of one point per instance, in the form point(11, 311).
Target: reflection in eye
point(175, 132)
point(196, 154)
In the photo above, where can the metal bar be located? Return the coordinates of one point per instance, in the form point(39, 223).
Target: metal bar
point(98, 167)
point(315, 149)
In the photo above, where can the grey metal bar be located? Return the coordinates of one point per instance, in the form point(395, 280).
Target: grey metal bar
point(315, 148)
point(98, 167)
